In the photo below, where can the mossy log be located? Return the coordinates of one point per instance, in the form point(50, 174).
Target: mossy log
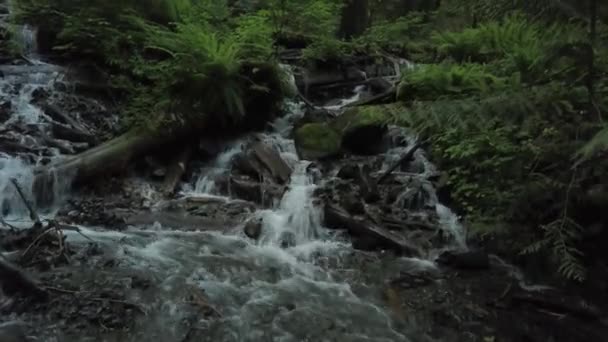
point(106, 158)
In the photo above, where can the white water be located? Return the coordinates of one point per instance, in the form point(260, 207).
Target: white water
point(17, 88)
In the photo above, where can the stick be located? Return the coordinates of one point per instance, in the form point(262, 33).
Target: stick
point(406, 157)
point(33, 215)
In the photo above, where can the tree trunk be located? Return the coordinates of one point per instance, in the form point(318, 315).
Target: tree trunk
point(355, 18)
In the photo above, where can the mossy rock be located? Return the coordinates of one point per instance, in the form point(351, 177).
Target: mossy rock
point(317, 141)
point(362, 129)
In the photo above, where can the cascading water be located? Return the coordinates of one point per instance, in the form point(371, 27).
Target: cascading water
point(25, 122)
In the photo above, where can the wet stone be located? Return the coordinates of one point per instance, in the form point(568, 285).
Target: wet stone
point(253, 228)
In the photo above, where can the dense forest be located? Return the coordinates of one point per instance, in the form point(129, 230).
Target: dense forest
point(507, 99)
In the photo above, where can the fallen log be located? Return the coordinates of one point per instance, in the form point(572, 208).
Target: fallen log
point(406, 158)
point(176, 170)
point(338, 218)
point(105, 158)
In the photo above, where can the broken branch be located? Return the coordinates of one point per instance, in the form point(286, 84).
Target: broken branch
point(33, 215)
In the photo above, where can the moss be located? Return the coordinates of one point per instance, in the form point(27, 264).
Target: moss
point(361, 116)
point(317, 140)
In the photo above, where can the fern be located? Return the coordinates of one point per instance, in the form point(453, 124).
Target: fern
point(560, 238)
point(597, 144)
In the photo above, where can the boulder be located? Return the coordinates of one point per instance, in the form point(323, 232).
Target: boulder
point(272, 160)
point(253, 228)
point(317, 141)
point(262, 161)
point(362, 129)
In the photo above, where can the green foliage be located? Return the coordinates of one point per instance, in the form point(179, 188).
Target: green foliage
point(178, 61)
point(318, 137)
point(506, 108)
point(598, 144)
point(439, 80)
point(560, 238)
point(521, 45)
point(401, 36)
point(312, 19)
point(327, 50)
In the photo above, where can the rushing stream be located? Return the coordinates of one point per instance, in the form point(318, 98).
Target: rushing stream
point(298, 282)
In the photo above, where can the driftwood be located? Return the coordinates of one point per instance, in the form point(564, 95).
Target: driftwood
point(406, 158)
point(176, 170)
point(338, 218)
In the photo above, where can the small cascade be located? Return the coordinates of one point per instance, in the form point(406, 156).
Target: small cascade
point(297, 220)
point(27, 127)
point(205, 183)
point(27, 39)
point(10, 202)
point(425, 193)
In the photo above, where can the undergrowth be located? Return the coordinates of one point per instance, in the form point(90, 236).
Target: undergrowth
point(507, 111)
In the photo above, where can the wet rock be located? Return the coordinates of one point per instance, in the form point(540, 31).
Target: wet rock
point(13, 331)
point(5, 111)
point(348, 171)
point(379, 85)
point(288, 239)
point(352, 204)
point(272, 160)
point(317, 141)
point(253, 228)
point(261, 161)
point(469, 260)
point(257, 192)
